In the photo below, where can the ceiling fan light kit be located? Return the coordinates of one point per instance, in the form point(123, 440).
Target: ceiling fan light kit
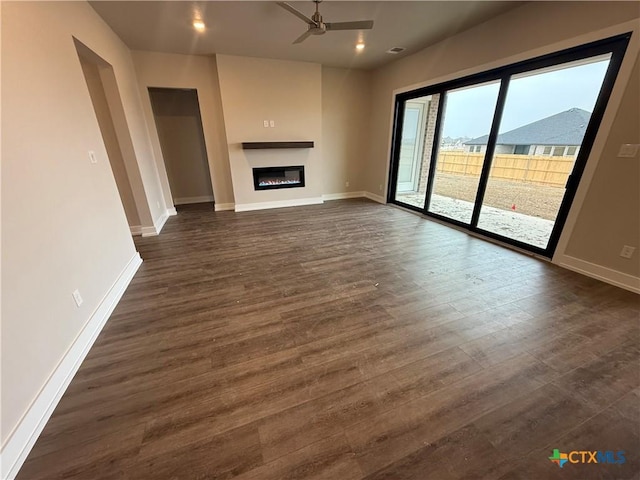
point(316, 25)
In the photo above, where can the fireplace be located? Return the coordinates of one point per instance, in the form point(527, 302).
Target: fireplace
point(269, 178)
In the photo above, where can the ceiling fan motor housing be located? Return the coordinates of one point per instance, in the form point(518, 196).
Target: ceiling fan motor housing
point(319, 28)
point(315, 25)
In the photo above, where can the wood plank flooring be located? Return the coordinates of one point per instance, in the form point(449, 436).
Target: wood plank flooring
point(348, 340)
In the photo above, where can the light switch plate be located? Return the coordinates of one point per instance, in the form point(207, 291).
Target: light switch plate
point(272, 123)
point(266, 123)
point(628, 150)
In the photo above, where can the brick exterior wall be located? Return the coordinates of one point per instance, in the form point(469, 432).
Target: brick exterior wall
point(429, 135)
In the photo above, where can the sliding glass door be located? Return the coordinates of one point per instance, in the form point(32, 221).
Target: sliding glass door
point(543, 123)
point(501, 153)
point(467, 113)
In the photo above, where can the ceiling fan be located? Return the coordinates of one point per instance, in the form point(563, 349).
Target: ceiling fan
point(317, 27)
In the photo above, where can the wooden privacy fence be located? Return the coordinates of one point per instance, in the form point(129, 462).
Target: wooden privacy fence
point(544, 170)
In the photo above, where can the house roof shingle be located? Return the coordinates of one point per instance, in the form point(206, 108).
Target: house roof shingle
point(564, 128)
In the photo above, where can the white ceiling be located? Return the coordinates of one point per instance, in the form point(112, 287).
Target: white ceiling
point(263, 29)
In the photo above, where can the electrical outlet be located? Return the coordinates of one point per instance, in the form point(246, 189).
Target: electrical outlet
point(266, 123)
point(346, 184)
point(627, 251)
point(77, 298)
point(92, 157)
point(272, 123)
point(380, 187)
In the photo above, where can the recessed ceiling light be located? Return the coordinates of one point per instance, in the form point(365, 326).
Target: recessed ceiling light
point(396, 50)
point(199, 25)
point(360, 46)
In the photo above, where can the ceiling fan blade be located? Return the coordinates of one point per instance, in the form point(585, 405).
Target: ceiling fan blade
point(302, 37)
point(296, 12)
point(361, 25)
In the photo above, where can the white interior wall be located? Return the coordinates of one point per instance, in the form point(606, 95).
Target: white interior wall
point(290, 94)
point(127, 147)
point(346, 107)
point(195, 72)
point(63, 224)
point(114, 154)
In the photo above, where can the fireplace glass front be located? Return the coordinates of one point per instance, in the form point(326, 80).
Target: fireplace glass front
point(268, 178)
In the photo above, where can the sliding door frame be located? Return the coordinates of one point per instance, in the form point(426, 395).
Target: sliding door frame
point(616, 46)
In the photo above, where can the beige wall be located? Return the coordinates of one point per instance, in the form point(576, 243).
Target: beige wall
point(133, 164)
point(103, 116)
point(177, 119)
point(346, 96)
point(254, 90)
point(610, 214)
point(200, 73)
point(532, 28)
point(63, 225)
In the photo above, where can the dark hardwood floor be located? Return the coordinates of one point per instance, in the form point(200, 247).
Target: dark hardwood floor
point(348, 340)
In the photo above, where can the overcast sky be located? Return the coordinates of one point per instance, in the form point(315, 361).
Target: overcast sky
point(470, 111)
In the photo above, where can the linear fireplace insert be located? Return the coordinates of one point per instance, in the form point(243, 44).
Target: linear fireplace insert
point(268, 178)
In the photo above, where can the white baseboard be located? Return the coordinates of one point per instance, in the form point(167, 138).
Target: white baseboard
point(245, 207)
point(608, 275)
point(158, 224)
point(148, 231)
point(342, 196)
point(374, 197)
point(172, 211)
point(187, 200)
point(19, 444)
point(136, 229)
point(220, 207)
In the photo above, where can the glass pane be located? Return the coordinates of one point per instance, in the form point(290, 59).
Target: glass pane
point(544, 120)
point(418, 129)
point(468, 114)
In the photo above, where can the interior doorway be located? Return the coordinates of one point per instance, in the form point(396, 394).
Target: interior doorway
point(179, 124)
point(107, 105)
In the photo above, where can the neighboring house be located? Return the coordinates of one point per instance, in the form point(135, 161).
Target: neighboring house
point(558, 135)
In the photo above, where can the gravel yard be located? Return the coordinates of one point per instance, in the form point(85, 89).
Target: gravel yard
point(530, 199)
point(536, 206)
point(541, 201)
point(524, 228)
